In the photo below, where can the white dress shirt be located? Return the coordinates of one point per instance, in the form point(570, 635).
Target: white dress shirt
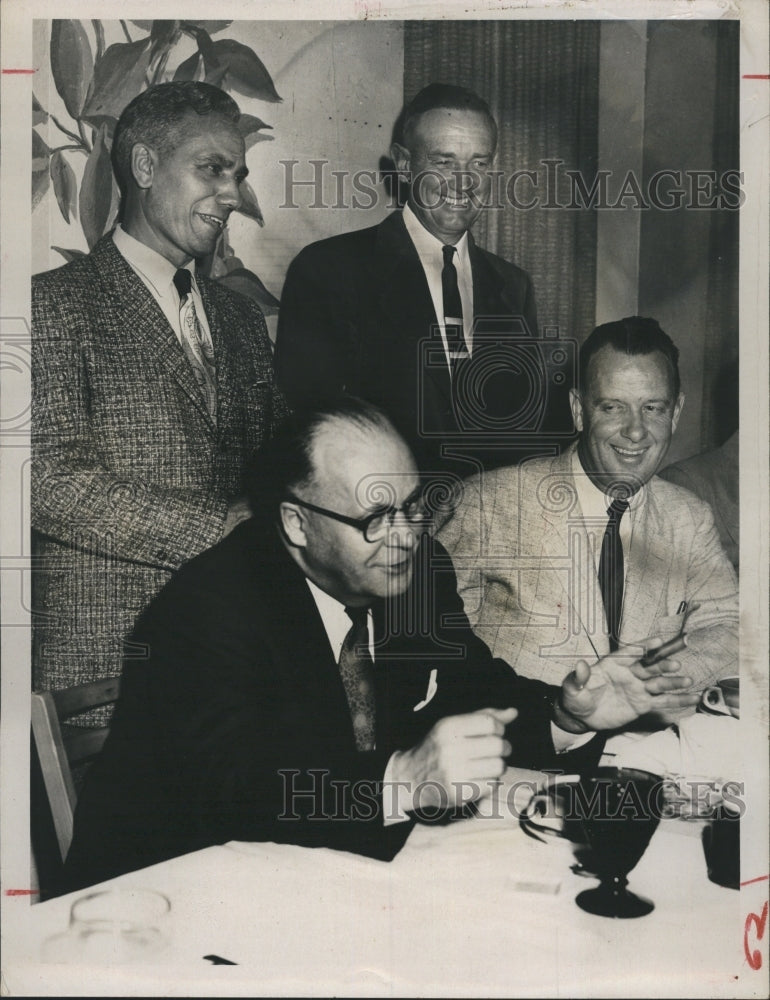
point(593, 507)
point(157, 274)
point(432, 259)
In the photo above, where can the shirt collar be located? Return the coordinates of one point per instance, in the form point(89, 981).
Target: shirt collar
point(428, 245)
point(152, 266)
point(593, 501)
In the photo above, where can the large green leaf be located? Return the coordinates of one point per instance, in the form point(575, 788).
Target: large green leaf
point(249, 205)
point(247, 283)
point(211, 26)
point(69, 255)
point(118, 77)
point(188, 69)
point(39, 114)
point(249, 127)
point(64, 185)
point(164, 34)
point(41, 178)
point(246, 72)
point(72, 64)
point(96, 190)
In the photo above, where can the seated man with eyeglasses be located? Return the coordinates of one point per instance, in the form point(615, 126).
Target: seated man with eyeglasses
point(313, 679)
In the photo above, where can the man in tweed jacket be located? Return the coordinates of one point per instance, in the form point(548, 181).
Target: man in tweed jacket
point(132, 473)
point(525, 541)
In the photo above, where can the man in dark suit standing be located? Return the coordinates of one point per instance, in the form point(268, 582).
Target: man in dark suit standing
point(313, 679)
point(151, 388)
point(413, 315)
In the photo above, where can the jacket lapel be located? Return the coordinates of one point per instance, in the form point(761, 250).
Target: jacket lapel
point(138, 313)
point(225, 359)
point(649, 564)
point(404, 297)
point(565, 545)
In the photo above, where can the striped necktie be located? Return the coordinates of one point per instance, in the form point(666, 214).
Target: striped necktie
point(453, 310)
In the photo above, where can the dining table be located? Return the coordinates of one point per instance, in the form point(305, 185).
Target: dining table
point(476, 907)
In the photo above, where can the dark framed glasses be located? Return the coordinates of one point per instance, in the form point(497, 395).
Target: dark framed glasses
point(376, 525)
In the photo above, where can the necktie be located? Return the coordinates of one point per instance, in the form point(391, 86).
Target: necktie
point(196, 342)
point(611, 570)
point(453, 310)
point(357, 672)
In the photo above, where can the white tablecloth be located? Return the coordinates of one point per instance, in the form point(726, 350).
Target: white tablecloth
point(473, 909)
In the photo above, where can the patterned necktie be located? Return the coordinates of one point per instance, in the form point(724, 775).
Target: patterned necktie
point(453, 310)
point(611, 570)
point(196, 342)
point(357, 672)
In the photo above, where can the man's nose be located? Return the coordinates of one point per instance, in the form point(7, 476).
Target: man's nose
point(634, 427)
point(229, 192)
point(401, 533)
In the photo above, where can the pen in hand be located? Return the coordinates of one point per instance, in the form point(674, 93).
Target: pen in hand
point(675, 645)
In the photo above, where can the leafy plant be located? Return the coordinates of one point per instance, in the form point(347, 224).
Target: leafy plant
point(96, 86)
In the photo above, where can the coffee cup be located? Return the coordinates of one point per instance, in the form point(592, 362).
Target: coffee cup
point(723, 698)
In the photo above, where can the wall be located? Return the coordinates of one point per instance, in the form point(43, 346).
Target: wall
point(659, 108)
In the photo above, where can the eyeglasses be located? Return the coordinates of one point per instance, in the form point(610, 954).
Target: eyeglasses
point(375, 526)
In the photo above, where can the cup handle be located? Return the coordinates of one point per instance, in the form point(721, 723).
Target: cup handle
point(538, 805)
point(714, 698)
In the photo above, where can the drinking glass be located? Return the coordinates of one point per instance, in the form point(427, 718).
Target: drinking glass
point(112, 926)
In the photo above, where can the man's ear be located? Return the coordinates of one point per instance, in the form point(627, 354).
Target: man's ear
point(677, 411)
point(402, 158)
point(293, 523)
point(143, 161)
point(576, 405)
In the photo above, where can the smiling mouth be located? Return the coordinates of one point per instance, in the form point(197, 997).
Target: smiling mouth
point(453, 202)
point(629, 452)
point(213, 220)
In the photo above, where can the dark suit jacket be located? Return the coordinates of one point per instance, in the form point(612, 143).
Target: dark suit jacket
point(241, 701)
point(130, 477)
point(357, 316)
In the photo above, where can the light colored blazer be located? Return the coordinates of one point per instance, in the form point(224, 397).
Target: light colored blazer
point(527, 575)
point(130, 476)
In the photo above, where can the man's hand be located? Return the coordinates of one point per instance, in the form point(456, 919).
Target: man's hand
point(618, 689)
point(454, 763)
point(239, 510)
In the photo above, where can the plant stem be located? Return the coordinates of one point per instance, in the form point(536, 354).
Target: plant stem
point(87, 145)
point(60, 149)
point(67, 132)
point(125, 31)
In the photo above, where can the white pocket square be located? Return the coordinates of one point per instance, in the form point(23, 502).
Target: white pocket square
point(432, 689)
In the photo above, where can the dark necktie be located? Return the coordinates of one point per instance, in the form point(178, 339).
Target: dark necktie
point(196, 343)
point(611, 570)
point(453, 310)
point(357, 672)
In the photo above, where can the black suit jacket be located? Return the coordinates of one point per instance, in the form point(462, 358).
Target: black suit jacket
point(240, 708)
point(357, 317)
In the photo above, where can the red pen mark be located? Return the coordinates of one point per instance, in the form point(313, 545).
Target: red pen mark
point(754, 958)
point(19, 71)
point(759, 878)
point(22, 892)
point(756, 76)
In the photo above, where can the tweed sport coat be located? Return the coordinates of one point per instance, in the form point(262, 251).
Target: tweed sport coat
point(130, 476)
point(529, 584)
point(357, 316)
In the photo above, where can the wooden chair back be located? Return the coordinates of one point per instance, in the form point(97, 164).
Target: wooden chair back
point(61, 746)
